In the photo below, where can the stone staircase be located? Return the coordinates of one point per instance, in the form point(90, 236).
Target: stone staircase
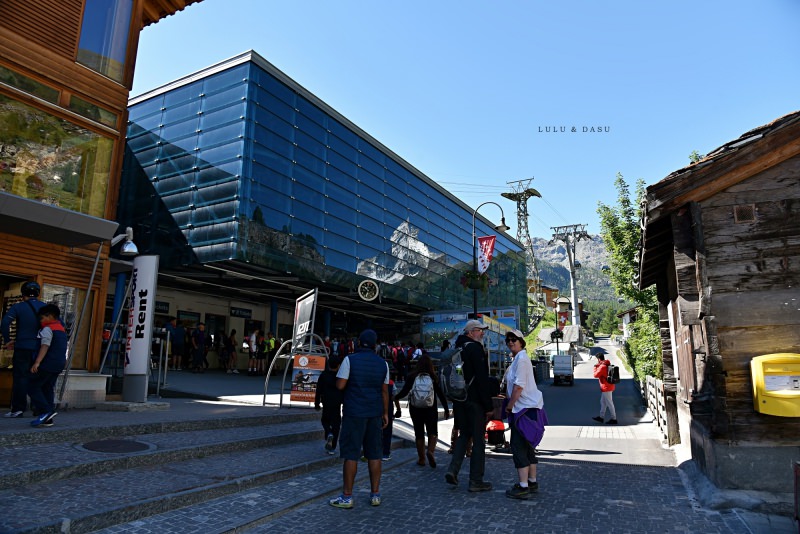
point(178, 476)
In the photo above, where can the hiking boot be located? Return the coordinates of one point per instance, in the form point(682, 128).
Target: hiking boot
point(479, 485)
point(611, 422)
point(517, 492)
point(342, 502)
point(375, 499)
point(13, 413)
point(451, 478)
point(598, 419)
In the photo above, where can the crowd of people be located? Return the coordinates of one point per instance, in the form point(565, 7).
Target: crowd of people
point(355, 394)
point(356, 391)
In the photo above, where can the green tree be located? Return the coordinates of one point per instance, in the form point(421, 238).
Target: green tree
point(620, 230)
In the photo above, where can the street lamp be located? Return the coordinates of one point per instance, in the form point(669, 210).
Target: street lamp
point(500, 228)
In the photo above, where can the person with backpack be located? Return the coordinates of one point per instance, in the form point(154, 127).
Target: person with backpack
point(25, 343)
point(423, 390)
point(475, 411)
point(606, 391)
point(400, 362)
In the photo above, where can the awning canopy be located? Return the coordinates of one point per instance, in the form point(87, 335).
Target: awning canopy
point(35, 220)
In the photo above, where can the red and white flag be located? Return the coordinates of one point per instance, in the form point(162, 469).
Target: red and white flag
point(486, 246)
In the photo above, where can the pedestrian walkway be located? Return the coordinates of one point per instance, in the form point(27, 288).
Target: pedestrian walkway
point(592, 477)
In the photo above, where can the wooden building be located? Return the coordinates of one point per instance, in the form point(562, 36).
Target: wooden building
point(66, 69)
point(721, 242)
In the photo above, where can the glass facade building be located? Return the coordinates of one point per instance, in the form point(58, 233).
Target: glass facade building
point(254, 170)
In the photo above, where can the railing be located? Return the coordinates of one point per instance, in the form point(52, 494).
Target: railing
point(656, 402)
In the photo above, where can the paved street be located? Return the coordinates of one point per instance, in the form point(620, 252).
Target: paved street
point(593, 477)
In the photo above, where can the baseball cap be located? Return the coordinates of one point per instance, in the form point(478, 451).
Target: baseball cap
point(472, 323)
point(368, 338)
point(514, 333)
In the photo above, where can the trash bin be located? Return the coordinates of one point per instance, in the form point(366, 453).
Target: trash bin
point(541, 371)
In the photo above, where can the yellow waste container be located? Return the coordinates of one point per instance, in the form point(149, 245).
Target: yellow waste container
point(776, 384)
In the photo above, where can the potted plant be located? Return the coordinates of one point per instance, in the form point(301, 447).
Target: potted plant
point(473, 280)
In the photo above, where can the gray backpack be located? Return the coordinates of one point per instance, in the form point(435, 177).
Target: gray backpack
point(452, 375)
point(421, 394)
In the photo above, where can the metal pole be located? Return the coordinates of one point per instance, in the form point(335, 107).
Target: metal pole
point(474, 268)
point(76, 327)
point(116, 324)
point(576, 313)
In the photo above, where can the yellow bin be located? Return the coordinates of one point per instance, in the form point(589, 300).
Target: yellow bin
point(776, 384)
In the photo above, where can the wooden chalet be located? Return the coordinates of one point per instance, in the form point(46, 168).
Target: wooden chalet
point(721, 242)
point(66, 70)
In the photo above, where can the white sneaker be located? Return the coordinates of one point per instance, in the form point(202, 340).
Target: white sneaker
point(230, 372)
point(236, 371)
point(13, 414)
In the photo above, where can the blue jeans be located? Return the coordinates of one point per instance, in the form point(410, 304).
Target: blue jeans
point(21, 372)
point(42, 388)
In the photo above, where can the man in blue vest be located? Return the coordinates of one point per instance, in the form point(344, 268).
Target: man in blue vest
point(364, 378)
point(25, 343)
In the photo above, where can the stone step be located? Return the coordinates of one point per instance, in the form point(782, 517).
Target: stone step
point(91, 502)
point(96, 425)
point(26, 464)
point(95, 473)
point(257, 507)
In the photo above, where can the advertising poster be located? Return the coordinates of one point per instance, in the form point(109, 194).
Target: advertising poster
point(303, 318)
point(305, 373)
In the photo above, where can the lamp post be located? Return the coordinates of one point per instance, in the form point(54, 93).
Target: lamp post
point(500, 228)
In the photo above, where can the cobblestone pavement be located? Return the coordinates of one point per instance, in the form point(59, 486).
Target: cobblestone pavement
point(573, 497)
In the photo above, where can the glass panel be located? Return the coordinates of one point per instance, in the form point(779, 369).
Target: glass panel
point(104, 36)
point(91, 111)
point(28, 85)
point(69, 301)
point(267, 121)
point(223, 98)
point(309, 162)
point(55, 161)
point(213, 136)
point(225, 79)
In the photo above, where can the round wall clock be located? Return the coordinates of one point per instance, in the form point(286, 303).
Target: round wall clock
point(368, 290)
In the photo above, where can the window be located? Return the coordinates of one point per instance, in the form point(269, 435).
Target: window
point(103, 43)
point(55, 161)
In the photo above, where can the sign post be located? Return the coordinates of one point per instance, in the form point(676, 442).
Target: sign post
point(140, 328)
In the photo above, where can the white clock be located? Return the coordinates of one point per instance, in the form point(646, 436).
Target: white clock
point(368, 290)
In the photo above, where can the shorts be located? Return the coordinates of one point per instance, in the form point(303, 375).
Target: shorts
point(361, 435)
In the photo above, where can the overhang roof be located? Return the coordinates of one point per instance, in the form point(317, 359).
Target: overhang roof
point(155, 10)
point(35, 220)
point(753, 152)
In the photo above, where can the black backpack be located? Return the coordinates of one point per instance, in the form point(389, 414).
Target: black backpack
point(613, 374)
point(451, 375)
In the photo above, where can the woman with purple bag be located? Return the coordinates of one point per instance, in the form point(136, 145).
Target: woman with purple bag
point(526, 416)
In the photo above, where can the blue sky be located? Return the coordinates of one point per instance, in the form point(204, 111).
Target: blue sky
point(466, 90)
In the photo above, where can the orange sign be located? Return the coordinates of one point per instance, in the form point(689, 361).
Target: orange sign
point(305, 373)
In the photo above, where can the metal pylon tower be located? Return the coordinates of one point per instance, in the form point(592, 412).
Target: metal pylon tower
point(521, 192)
point(570, 235)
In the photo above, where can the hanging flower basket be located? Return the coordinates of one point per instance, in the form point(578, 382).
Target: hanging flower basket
point(473, 280)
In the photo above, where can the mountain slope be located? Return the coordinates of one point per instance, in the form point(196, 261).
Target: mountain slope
point(592, 282)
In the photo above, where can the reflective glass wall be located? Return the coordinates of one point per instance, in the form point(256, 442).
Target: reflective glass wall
point(244, 158)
